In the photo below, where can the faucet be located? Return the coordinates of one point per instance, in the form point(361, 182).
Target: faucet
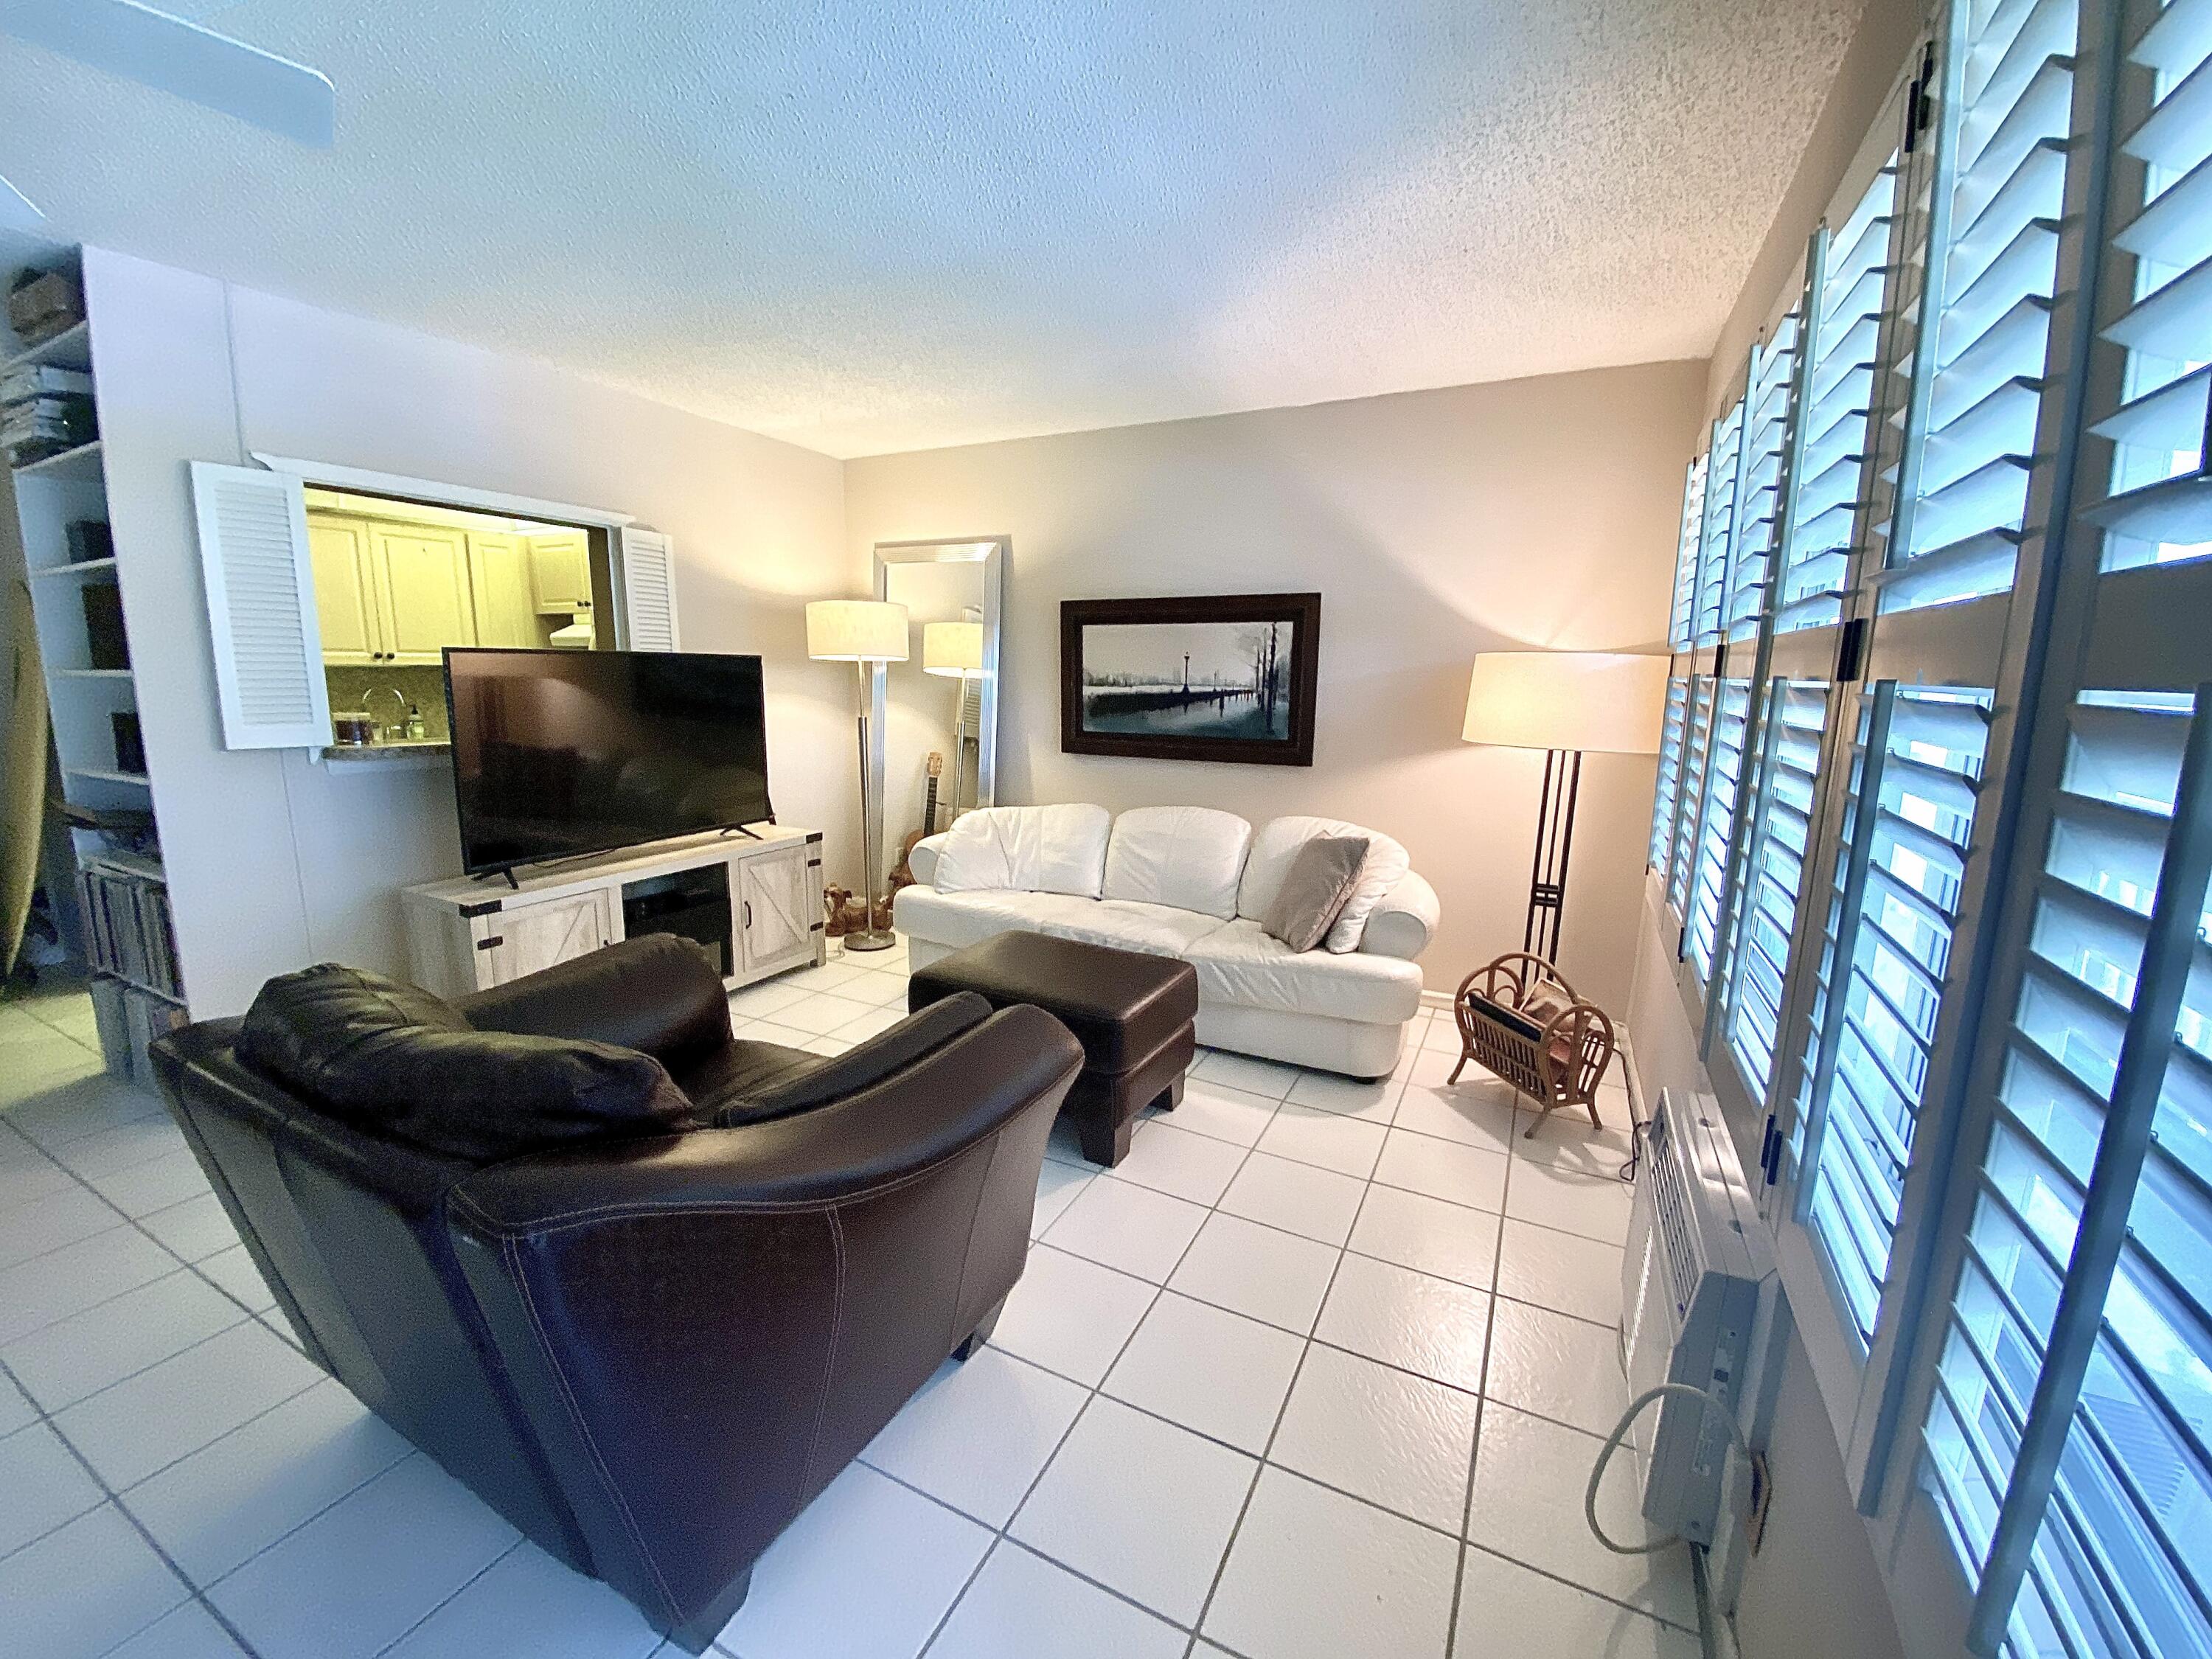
point(388, 731)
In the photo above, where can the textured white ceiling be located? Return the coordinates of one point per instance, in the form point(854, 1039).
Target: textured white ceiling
point(868, 228)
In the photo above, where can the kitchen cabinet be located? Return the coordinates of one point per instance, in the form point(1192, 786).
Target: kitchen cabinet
point(561, 573)
point(499, 586)
point(345, 590)
point(423, 577)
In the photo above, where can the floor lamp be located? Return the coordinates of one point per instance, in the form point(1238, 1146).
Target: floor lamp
point(955, 650)
point(869, 633)
point(1567, 703)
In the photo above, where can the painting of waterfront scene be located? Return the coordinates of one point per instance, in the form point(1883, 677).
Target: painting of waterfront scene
point(1180, 684)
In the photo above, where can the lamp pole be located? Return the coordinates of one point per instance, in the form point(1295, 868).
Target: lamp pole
point(1555, 841)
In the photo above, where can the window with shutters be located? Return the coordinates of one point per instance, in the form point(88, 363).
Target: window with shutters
point(2068, 1438)
point(1674, 729)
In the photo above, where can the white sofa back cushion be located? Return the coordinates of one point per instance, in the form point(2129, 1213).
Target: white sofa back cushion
point(1277, 843)
point(1026, 849)
point(1191, 858)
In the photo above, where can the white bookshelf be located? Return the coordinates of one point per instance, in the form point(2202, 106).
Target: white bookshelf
point(86, 695)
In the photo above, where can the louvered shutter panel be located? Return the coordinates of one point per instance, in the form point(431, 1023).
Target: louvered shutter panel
point(1749, 578)
point(1781, 837)
point(1673, 731)
point(1667, 799)
point(260, 586)
point(1847, 301)
point(2068, 1446)
point(1996, 222)
point(648, 564)
point(1916, 771)
point(1697, 743)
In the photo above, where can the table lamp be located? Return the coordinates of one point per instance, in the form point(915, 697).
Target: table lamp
point(870, 633)
point(1567, 703)
point(954, 650)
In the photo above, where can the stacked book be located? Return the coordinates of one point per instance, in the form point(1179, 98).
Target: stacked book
point(128, 932)
point(44, 410)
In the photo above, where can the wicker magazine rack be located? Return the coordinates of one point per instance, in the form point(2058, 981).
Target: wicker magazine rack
point(1520, 1019)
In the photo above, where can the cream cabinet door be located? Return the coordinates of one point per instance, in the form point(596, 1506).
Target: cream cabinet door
point(345, 589)
point(777, 905)
point(560, 571)
point(499, 585)
point(423, 578)
point(522, 939)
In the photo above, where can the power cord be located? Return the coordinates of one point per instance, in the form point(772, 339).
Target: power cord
point(1620, 1433)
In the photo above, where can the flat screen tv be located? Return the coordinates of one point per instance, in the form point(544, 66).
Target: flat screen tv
point(561, 753)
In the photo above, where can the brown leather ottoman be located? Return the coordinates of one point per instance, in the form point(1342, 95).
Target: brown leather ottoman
point(1132, 1014)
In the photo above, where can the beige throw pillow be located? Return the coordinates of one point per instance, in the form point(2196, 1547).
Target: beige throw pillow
point(1320, 879)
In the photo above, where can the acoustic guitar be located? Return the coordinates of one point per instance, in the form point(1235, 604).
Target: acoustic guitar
point(904, 876)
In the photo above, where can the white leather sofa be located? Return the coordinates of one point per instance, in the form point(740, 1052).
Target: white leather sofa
point(1190, 882)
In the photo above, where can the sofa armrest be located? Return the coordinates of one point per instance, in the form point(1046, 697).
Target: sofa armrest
point(657, 994)
point(922, 861)
point(1406, 920)
point(703, 1330)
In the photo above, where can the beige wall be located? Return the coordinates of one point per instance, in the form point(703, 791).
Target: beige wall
point(276, 862)
point(1435, 524)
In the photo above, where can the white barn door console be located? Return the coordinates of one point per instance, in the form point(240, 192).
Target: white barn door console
point(758, 903)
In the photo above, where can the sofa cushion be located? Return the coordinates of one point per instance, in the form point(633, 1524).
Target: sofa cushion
point(1321, 880)
point(1031, 849)
point(960, 919)
point(1241, 964)
point(1188, 858)
point(396, 1060)
point(1276, 845)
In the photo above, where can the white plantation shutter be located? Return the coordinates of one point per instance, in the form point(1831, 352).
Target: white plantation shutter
point(2068, 1447)
point(1780, 842)
point(1851, 279)
point(1697, 745)
point(1672, 734)
point(1746, 590)
point(1996, 220)
point(1885, 962)
point(260, 586)
point(648, 595)
point(1673, 731)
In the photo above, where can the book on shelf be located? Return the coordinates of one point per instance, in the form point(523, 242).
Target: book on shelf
point(128, 930)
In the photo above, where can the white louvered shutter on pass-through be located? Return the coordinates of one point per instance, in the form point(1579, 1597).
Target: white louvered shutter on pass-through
point(648, 577)
point(261, 608)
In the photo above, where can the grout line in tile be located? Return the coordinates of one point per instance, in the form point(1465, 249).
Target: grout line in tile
point(457, 1591)
point(109, 1496)
point(1097, 1389)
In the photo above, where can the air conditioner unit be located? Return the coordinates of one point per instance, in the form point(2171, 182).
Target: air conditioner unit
point(1700, 1300)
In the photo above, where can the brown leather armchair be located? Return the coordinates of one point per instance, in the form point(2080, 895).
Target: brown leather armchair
point(648, 1351)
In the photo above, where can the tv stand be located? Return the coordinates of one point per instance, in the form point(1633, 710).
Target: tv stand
point(766, 887)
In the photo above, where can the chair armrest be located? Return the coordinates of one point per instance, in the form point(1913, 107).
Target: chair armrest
point(1406, 920)
point(922, 861)
point(658, 994)
point(703, 1330)
point(862, 1065)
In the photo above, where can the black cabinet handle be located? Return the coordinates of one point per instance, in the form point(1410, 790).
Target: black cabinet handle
point(748, 906)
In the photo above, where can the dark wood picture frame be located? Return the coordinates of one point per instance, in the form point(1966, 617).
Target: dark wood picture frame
point(1301, 611)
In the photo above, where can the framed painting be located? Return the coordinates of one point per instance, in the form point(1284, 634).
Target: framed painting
point(1223, 678)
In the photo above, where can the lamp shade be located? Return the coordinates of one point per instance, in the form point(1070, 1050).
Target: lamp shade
point(856, 630)
point(954, 649)
point(1588, 701)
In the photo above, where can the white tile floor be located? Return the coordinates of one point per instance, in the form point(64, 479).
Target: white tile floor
point(1319, 1370)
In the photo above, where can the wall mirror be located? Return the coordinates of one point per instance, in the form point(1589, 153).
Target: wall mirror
point(943, 700)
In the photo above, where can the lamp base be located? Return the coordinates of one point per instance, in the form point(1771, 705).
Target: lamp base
point(871, 938)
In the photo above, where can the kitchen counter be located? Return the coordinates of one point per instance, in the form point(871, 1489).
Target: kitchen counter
point(396, 749)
